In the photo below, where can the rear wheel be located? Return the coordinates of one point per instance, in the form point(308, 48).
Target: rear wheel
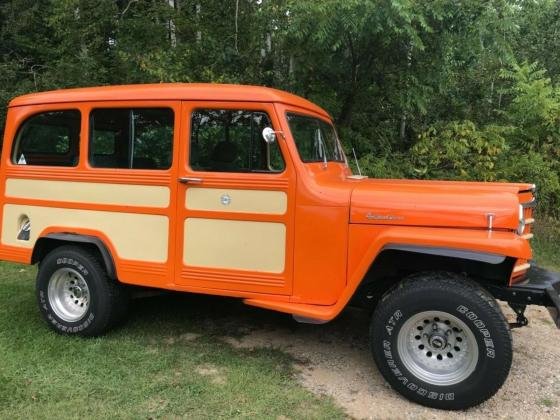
point(75, 294)
point(442, 341)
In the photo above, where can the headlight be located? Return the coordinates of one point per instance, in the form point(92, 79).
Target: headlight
point(521, 226)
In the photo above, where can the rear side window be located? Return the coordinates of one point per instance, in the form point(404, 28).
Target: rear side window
point(224, 140)
point(48, 139)
point(140, 138)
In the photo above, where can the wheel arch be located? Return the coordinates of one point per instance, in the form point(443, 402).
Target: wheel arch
point(50, 241)
point(396, 261)
point(485, 257)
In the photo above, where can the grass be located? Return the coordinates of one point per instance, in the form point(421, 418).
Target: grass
point(169, 360)
point(547, 402)
point(545, 243)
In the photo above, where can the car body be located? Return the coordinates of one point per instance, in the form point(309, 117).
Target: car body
point(171, 186)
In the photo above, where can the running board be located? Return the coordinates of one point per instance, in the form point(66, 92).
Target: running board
point(310, 314)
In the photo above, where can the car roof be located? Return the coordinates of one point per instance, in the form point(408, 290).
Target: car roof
point(168, 91)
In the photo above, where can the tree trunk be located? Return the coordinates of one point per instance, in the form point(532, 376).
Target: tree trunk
point(236, 24)
point(171, 25)
point(198, 8)
point(402, 131)
point(291, 67)
point(345, 117)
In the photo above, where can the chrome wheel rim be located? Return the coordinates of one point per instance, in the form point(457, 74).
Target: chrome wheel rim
point(438, 348)
point(68, 294)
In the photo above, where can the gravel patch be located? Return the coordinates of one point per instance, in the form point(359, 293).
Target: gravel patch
point(334, 360)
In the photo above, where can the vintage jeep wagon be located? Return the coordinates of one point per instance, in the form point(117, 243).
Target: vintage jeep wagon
point(245, 191)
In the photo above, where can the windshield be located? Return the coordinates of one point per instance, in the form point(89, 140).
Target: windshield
point(315, 139)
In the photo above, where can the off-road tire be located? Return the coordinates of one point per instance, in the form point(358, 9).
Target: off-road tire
point(467, 303)
point(107, 299)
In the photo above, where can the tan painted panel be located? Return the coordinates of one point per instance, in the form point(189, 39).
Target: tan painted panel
point(241, 201)
point(135, 236)
point(88, 192)
point(234, 244)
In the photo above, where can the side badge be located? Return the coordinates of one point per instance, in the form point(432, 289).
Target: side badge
point(225, 199)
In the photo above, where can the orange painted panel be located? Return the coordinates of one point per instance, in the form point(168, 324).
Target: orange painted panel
point(365, 242)
point(334, 226)
point(320, 254)
point(215, 275)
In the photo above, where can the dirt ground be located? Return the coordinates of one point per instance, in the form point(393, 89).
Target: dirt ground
point(334, 359)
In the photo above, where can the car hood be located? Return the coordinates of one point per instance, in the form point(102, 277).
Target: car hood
point(438, 203)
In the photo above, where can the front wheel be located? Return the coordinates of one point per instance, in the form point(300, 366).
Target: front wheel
point(442, 341)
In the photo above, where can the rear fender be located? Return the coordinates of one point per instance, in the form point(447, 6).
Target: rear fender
point(50, 240)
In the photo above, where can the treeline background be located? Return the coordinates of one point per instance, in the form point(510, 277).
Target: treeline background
point(450, 89)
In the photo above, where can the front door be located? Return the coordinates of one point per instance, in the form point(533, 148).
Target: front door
point(235, 200)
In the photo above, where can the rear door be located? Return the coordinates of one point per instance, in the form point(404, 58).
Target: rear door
point(235, 200)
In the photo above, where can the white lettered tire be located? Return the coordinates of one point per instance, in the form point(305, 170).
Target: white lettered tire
point(442, 341)
point(75, 295)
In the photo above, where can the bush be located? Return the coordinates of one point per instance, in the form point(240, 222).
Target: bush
point(384, 166)
point(535, 168)
point(458, 150)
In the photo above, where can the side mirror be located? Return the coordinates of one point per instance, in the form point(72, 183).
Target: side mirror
point(269, 135)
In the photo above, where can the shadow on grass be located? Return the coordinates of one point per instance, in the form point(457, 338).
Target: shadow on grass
point(219, 317)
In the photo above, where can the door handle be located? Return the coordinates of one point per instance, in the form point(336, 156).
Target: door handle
point(189, 180)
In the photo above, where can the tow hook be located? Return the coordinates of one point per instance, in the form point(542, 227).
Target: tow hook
point(519, 310)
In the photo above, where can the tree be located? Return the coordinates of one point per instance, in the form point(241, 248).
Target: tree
point(418, 88)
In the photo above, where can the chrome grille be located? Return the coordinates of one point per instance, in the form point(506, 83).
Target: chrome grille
point(528, 214)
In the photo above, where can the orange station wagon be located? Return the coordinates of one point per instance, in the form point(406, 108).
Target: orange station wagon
point(245, 191)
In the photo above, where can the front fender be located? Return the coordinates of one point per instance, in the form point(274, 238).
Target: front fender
point(366, 242)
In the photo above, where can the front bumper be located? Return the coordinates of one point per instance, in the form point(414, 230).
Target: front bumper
point(541, 287)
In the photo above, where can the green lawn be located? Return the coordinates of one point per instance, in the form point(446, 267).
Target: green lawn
point(546, 243)
point(168, 361)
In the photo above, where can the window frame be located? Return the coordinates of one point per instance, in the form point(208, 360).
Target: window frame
point(316, 117)
point(233, 107)
point(141, 105)
point(12, 157)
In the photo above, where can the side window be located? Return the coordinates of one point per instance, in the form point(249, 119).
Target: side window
point(48, 139)
point(140, 138)
point(224, 140)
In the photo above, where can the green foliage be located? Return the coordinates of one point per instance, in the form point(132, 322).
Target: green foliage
point(394, 167)
point(533, 110)
point(534, 106)
point(544, 244)
point(534, 167)
point(447, 89)
point(458, 150)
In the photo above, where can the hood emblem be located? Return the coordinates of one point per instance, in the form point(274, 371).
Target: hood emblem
point(490, 220)
point(371, 216)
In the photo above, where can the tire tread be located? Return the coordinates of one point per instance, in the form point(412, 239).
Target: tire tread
point(419, 283)
point(115, 293)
